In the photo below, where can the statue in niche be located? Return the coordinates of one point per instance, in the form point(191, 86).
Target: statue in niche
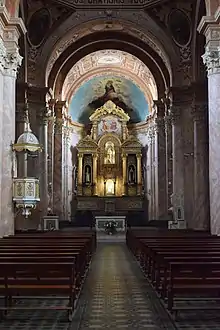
point(131, 174)
point(110, 153)
point(87, 174)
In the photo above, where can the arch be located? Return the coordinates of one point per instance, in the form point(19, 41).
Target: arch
point(109, 40)
point(120, 64)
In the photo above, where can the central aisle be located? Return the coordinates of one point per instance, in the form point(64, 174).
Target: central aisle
point(116, 295)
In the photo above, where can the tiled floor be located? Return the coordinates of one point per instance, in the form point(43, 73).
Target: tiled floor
point(115, 296)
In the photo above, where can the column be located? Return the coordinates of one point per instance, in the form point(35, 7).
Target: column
point(124, 173)
point(178, 164)
point(94, 167)
point(139, 175)
point(51, 124)
point(211, 29)
point(153, 172)
point(201, 185)
point(169, 160)
point(10, 61)
point(80, 174)
point(43, 160)
point(149, 174)
point(160, 169)
point(58, 206)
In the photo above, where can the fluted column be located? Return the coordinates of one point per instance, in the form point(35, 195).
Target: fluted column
point(211, 29)
point(178, 163)
point(94, 168)
point(201, 185)
point(169, 159)
point(79, 174)
point(139, 174)
point(124, 173)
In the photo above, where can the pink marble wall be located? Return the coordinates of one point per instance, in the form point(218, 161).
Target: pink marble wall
point(214, 151)
point(7, 139)
point(12, 7)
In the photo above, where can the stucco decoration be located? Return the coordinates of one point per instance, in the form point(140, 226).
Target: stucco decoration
point(113, 62)
point(77, 26)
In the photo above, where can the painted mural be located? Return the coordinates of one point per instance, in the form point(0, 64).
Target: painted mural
point(109, 124)
point(98, 90)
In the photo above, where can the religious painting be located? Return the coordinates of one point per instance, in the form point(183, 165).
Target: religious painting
point(109, 124)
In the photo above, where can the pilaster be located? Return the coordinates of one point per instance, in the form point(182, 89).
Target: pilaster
point(60, 113)
point(10, 61)
point(210, 27)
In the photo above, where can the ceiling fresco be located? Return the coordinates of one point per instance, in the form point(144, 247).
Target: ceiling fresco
point(95, 92)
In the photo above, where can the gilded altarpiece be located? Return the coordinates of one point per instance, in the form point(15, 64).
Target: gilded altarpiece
point(109, 159)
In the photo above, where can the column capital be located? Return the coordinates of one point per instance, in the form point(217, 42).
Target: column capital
point(79, 155)
point(10, 60)
point(200, 112)
point(211, 59)
point(124, 155)
point(139, 156)
point(59, 124)
point(175, 113)
point(94, 156)
point(159, 123)
point(159, 106)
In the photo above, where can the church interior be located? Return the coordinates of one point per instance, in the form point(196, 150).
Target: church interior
point(109, 172)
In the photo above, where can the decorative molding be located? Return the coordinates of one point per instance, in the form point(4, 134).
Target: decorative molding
point(109, 108)
point(114, 62)
point(199, 112)
point(10, 61)
point(77, 26)
point(211, 59)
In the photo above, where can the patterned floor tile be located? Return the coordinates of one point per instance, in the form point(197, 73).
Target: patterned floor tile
point(116, 295)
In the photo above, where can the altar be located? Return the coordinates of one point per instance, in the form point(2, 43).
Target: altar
point(101, 220)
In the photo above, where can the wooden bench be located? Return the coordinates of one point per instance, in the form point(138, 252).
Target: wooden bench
point(168, 260)
point(33, 265)
point(44, 280)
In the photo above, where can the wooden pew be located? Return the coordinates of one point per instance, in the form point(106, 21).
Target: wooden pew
point(44, 280)
point(167, 259)
point(20, 259)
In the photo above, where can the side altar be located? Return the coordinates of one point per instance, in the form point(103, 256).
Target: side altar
point(109, 164)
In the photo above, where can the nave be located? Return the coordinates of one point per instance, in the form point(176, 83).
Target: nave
point(115, 295)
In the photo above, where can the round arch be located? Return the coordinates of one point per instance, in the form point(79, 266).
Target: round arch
point(109, 40)
point(119, 64)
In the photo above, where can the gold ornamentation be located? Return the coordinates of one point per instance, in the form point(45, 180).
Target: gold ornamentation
point(109, 108)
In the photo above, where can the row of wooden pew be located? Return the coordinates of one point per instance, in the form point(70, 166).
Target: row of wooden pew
point(182, 266)
point(45, 265)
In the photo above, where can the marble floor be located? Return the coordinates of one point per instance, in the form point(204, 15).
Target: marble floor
point(115, 296)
